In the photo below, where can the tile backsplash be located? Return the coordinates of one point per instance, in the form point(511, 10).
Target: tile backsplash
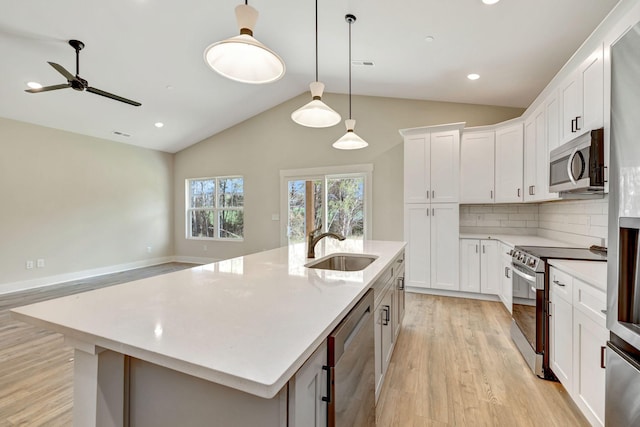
point(582, 222)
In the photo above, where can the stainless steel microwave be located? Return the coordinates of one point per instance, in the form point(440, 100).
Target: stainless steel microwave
point(577, 167)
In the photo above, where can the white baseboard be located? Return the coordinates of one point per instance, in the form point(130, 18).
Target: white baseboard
point(6, 288)
point(194, 260)
point(454, 294)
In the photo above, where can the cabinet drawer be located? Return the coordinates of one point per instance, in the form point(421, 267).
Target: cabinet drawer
point(561, 284)
point(591, 301)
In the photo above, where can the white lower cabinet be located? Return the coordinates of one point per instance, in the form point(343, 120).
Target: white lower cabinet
point(480, 266)
point(432, 235)
point(578, 341)
point(506, 292)
point(306, 390)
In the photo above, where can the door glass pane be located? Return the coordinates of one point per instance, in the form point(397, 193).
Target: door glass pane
point(303, 195)
point(345, 206)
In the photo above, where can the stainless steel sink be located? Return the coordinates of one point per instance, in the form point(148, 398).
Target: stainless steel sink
point(343, 262)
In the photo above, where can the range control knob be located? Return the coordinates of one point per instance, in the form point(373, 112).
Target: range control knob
point(521, 257)
point(531, 262)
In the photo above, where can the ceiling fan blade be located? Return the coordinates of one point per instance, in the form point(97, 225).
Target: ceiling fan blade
point(59, 68)
point(112, 96)
point(48, 88)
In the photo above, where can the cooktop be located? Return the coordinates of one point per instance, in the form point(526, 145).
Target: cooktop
point(550, 252)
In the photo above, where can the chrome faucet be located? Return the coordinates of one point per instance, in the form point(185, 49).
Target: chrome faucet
point(312, 240)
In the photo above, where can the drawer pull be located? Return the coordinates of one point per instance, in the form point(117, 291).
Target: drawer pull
point(604, 312)
point(559, 284)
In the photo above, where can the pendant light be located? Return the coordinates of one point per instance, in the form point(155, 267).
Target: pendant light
point(243, 58)
point(316, 114)
point(350, 141)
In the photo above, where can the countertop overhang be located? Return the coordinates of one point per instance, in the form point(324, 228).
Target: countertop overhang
point(248, 323)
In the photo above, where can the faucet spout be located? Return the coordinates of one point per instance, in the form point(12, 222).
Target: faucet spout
point(312, 240)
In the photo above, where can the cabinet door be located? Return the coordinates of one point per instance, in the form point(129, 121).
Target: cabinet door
point(509, 157)
point(416, 169)
point(592, 75)
point(530, 159)
point(589, 343)
point(571, 107)
point(445, 220)
point(377, 339)
point(386, 314)
point(490, 279)
point(309, 387)
point(470, 265)
point(553, 125)
point(399, 305)
point(417, 234)
point(445, 166)
point(477, 167)
point(561, 340)
point(506, 294)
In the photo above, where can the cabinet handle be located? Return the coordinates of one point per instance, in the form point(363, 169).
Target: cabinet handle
point(506, 273)
point(602, 353)
point(483, 249)
point(491, 194)
point(433, 194)
point(327, 398)
point(577, 121)
point(427, 211)
point(518, 192)
point(385, 310)
point(428, 194)
point(550, 308)
point(573, 121)
point(433, 212)
point(604, 312)
point(559, 283)
point(476, 248)
point(401, 283)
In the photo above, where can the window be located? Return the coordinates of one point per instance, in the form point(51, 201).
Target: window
point(215, 208)
point(335, 198)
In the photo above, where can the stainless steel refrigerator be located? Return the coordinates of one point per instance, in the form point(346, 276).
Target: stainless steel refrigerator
point(622, 407)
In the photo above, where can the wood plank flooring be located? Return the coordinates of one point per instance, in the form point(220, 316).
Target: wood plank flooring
point(454, 365)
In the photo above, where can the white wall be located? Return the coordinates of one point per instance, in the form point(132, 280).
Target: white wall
point(269, 142)
point(80, 203)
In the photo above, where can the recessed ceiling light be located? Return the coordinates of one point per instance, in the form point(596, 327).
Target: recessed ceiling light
point(473, 76)
point(429, 38)
point(159, 124)
point(34, 85)
point(490, 1)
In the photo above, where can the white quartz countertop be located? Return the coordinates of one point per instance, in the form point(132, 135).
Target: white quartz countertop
point(518, 239)
point(591, 272)
point(248, 323)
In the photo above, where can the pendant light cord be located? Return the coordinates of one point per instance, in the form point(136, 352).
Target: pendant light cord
point(350, 22)
point(316, 40)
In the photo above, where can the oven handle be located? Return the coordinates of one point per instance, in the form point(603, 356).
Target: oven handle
point(524, 275)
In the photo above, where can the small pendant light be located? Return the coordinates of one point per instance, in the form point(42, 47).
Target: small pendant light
point(316, 114)
point(243, 58)
point(350, 141)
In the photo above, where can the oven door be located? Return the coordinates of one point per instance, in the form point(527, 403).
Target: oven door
point(527, 329)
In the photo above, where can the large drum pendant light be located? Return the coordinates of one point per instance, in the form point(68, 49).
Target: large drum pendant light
point(316, 114)
point(243, 58)
point(350, 140)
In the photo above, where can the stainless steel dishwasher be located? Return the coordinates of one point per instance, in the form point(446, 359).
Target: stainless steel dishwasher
point(351, 381)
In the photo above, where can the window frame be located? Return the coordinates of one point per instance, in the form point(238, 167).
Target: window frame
point(216, 209)
point(326, 173)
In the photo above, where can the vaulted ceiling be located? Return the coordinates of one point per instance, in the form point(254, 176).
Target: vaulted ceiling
point(152, 51)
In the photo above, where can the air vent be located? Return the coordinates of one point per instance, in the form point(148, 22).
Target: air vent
point(362, 63)
point(126, 135)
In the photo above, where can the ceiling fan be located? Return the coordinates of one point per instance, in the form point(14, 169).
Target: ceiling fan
point(78, 83)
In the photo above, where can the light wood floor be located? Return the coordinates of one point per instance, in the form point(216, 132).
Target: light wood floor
point(454, 365)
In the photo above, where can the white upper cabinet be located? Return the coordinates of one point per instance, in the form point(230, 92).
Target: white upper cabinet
point(536, 157)
point(417, 183)
point(582, 98)
point(552, 117)
point(509, 163)
point(477, 167)
point(432, 164)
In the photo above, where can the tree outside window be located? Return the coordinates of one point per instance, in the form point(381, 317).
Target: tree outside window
point(215, 208)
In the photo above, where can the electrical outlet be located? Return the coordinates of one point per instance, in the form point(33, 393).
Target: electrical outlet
point(40, 263)
point(29, 264)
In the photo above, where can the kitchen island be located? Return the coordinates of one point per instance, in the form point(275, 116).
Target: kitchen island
point(230, 334)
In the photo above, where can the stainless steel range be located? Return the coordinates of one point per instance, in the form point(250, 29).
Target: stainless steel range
point(530, 325)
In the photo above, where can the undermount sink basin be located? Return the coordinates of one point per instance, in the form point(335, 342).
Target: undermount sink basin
point(343, 262)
